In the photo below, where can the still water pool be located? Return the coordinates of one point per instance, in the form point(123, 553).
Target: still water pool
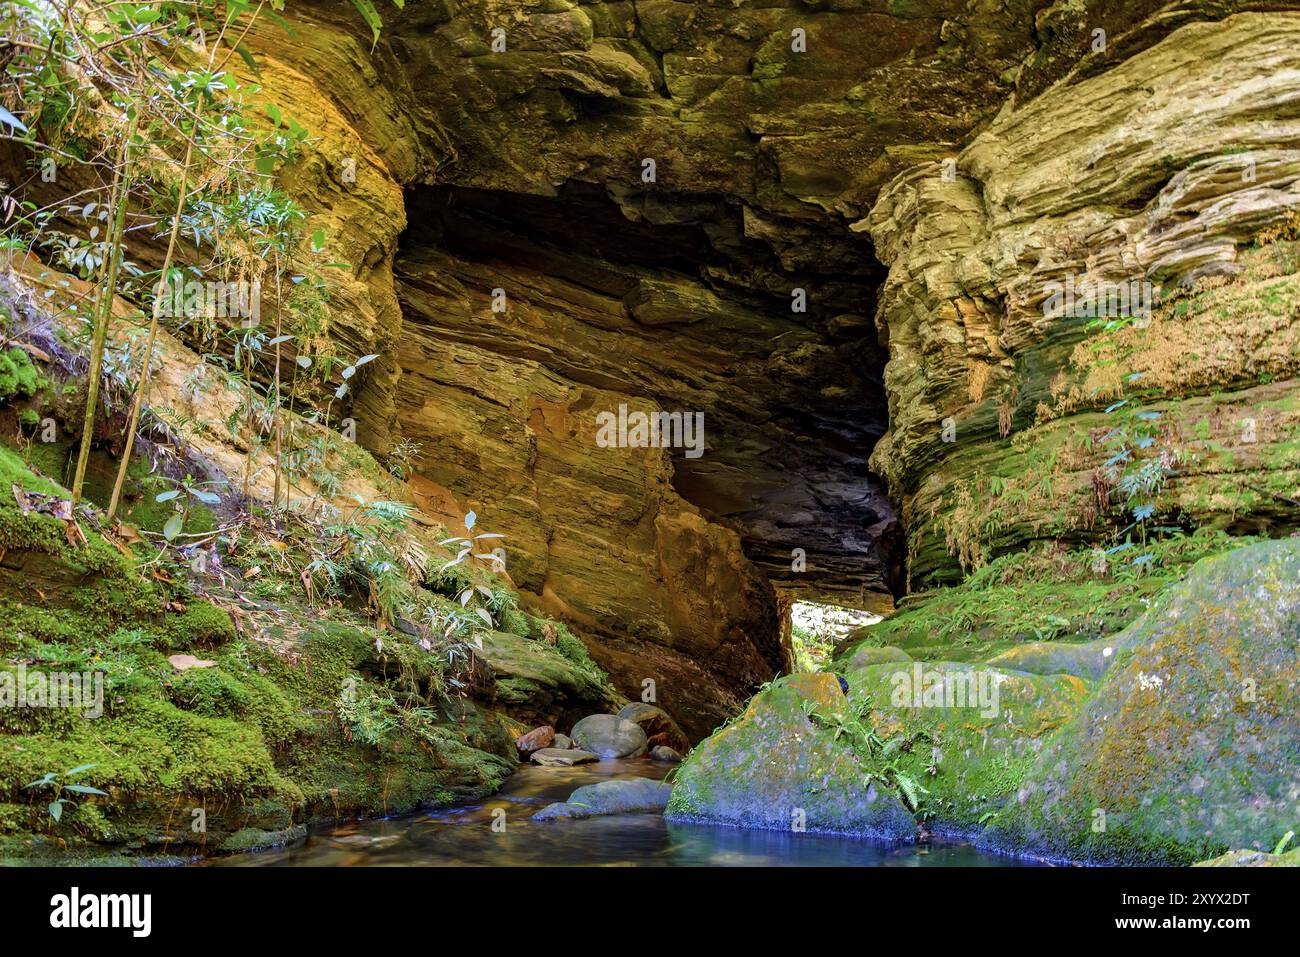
point(463, 835)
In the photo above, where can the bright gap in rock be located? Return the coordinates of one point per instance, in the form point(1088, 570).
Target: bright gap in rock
point(816, 630)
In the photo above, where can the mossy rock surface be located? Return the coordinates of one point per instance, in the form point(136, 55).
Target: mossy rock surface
point(539, 684)
point(774, 768)
point(256, 839)
point(1083, 659)
point(1254, 859)
point(864, 655)
point(254, 745)
point(1190, 745)
point(970, 732)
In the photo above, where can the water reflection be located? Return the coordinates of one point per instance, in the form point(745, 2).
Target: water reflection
point(463, 835)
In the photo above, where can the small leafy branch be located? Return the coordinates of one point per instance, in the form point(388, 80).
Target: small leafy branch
point(191, 490)
point(57, 782)
point(465, 550)
point(881, 758)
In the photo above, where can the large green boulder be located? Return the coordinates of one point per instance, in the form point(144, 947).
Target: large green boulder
point(967, 733)
point(1191, 744)
point(778, 768)
point(535, 683)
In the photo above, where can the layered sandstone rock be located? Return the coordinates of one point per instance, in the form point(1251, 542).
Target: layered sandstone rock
point(1175, 168)
point(441, 170)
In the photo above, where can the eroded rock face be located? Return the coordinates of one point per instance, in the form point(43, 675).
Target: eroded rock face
point(1175, 168)
point(523, 170)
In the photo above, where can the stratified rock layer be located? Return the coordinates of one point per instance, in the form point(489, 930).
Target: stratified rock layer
point(795, 148)
point(1009, 423)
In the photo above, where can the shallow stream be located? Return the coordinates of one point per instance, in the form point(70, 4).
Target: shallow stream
point(464, 835)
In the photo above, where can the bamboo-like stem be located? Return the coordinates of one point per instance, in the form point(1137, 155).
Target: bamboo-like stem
point(141, 390)
point(104, 305)
point(279, 445)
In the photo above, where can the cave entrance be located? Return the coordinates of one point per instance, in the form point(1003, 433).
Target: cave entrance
point(690, 303)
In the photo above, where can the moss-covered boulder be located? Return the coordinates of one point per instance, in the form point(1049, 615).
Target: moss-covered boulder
point(1084, 659)
point(777, 768)
point(968, 733)
point(864, 655)
point(1191, 744)
point(539, 684)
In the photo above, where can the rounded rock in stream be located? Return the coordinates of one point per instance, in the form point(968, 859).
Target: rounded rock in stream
point(658, 725)
point(555, 758)
point(609, 736)
point(535, 740)
point(619, 796)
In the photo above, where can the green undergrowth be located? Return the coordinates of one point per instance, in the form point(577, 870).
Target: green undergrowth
point(303, 715)
point(1046, 593)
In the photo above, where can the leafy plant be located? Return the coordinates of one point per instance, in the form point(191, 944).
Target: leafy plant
point(187, 489)
point(880, 757)
point(63, 792)
point(465, 550)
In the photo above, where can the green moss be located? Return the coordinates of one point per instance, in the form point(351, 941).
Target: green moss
point(201, 625)
point(1189, 744)
point(249, 839)
point(14, 471)
point(1041, 594)
point(542, 683)
point(18, 377)
point(774, 766)
point(254, 743)
point(969, 757)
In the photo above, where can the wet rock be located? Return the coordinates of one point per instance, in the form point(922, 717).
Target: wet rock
point(555, 758)
point(609, 797)
point(257, 839)
point(609, 736)
point(773, 768)
point(535, 740)
point(658, 725)
point(562, 742)
point(665, 755)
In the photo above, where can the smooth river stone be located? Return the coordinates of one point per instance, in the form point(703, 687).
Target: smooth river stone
point(555, 758)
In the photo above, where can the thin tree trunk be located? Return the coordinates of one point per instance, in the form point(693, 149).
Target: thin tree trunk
point(279, 445)
point(143, 388)
point(104, 305)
